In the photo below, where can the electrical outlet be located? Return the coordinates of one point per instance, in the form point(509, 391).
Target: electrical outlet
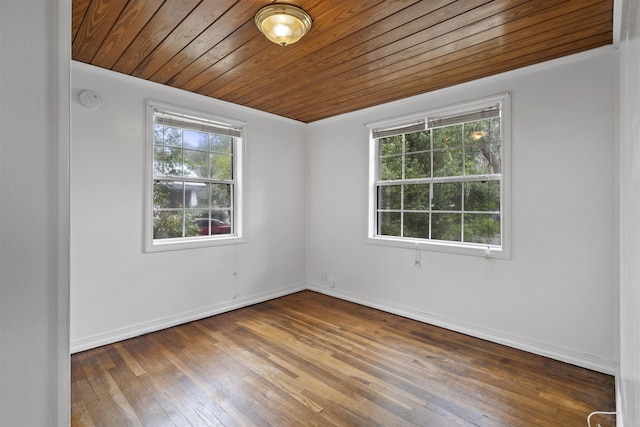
point(332, 282)
point(324, 276)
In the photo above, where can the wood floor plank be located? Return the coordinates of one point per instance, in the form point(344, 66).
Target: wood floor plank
point(95, 371)
point(223, 409)
point(307, 359)
point(167, 381)
point(80, 415)
point(131, 362)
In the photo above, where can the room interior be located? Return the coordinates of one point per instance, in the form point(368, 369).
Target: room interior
point(568, 291)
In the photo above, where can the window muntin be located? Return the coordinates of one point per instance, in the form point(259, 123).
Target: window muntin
point(194, 178)
point(439, 181)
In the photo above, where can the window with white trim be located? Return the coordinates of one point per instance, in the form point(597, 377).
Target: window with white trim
point(194, 164)
point(438, 180)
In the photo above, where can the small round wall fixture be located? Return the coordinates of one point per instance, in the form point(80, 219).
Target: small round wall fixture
point(89, 99)
point(283, 24)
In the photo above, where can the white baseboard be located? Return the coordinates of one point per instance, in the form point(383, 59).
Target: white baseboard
point(178, 319)
point(543, 349)
point(531, 346)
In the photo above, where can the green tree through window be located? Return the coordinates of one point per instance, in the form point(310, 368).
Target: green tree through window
point(441, 179)
point(194, 182)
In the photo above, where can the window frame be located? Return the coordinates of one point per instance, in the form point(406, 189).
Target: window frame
point(477, 249)
point(169, 244)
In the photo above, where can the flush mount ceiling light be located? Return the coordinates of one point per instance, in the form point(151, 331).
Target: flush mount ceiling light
point(282, 23)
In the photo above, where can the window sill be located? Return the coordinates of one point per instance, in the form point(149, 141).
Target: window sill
point(461, 249)
point(173, 245)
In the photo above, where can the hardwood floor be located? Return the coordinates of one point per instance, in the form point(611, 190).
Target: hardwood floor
point(309, 359)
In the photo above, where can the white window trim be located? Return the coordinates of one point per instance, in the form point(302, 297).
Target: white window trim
point(504, 251)
point(151, 245)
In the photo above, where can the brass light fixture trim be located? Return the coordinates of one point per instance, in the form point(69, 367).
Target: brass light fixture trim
point(283, 24)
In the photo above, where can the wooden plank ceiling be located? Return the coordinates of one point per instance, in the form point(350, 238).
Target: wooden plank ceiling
point(359, 53)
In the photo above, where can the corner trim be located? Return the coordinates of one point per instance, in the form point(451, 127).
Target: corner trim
point(618, 385)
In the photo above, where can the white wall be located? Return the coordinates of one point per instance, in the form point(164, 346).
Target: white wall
point(629, 131)
point(34, 213)
point(117, 290)
point(555, 296)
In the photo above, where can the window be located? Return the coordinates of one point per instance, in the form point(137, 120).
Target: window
point(438, 180)
point(194, 164)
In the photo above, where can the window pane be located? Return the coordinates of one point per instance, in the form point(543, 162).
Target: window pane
point(221, 195)
point(158, 134)
point(168, 195)
point(200, 223)
point(447, 179)
point(172, 136)
point(193, 181)
point(213, 222)
point(482, 160)
point(167, 161)
point(190, 225)
point(221, 221)
point(446, 226)
point(482, 228)
point(482, 142)
point(482, 196)
point(221, 144)
point(476, 131)
point(447, 196)
point(417, 165)
point(196, 163)
point(390, 168)
point(195, 140)
point(223, 215)
point(167, 224)
point(221, 166)
point(447, 137)
point(417, 141)
point(487, 130)
point(389, 197)
point(447, 162)
point(390, 145)
point(416, 197)
point(196, 194)
point(389, 223)
point(416, 225)
point(159, 158)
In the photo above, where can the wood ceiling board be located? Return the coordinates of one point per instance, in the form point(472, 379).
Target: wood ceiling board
point(375, 35)
point(494, 61)
point(226, 47)
point(373, 52)
point(359, 53)
point(78, 11)
point(163, 22)
point(407, 87)
point(450, 58)
point(133, 18)
point(240, 14)
point(202, 17)
point(400, 51)
point(270, 58)
point(453, 56)
point(96, 23)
